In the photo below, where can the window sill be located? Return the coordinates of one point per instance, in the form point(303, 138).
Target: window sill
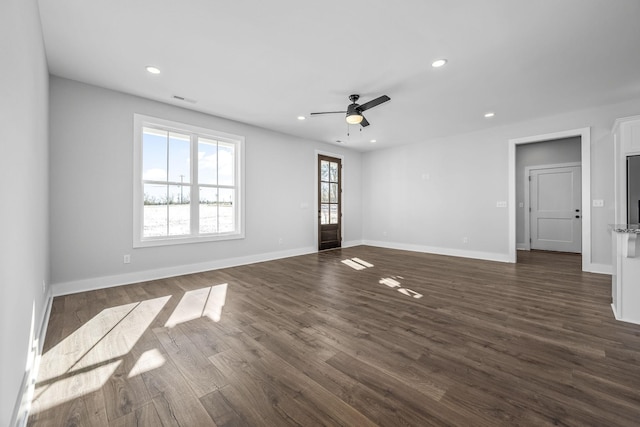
point(180, 240)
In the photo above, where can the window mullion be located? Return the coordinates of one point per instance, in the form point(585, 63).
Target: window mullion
point(195, 193)
point(167, 184)
point(217, 186)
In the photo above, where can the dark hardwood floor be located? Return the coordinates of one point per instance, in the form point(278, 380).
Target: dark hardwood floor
point(414, 339)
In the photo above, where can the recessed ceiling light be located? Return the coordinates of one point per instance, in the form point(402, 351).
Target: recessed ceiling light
point(438, 63)
point(302, 118)
point(152, 69)
point(373, 141)
point(489, 115)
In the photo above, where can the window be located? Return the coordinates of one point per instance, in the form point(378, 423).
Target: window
point(187, 183)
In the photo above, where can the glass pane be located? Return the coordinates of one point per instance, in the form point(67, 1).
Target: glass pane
point(226, 163)
point(324, 170)
point(324, 192)
point(207, 161)
point(179, 194)
point(324, 214)
point(333, 171)
point(154, 221)
point(179, 158)
point(226, 210)
point(154, 155)
point(208, 210)
point(179, 210)
point(334, 214)
point(333, 198)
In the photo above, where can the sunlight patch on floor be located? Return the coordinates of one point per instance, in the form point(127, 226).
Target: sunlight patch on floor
point(148, 361)
point(85, 360)
point(395, 284)
point(357, 263)
point(204, 302)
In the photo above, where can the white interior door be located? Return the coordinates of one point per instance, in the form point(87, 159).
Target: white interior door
point(555, 200)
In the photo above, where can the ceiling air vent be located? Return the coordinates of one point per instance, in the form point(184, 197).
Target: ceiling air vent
point(182, 98)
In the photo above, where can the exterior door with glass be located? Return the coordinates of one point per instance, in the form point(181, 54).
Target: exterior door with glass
point(329, 202)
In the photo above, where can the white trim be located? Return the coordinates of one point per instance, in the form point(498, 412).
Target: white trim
point(65, 288)
point(351, 243)
point(601, 269)
point(527, 196)
point(25, 396)
point(487, 256)
point(585, 139)
point(316, 208)
point(613, 308)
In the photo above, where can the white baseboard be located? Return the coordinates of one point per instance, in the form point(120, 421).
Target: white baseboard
point(66, 288)
point(351, 243)
point(27, 389)
point(635, 322)
point(599, 268)
point(487, 256)
point(522, 247)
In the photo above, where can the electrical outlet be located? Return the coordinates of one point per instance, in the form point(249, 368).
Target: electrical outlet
point(280, 241)
point(598, 203)
point(501, 204)
point(465, 240)
point(126, 259)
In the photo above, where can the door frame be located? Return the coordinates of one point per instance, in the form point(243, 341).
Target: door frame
point(316, 221)
point(585, 158)
point(527, 196)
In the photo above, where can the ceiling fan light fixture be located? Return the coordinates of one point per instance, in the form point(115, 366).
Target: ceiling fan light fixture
point(354, 118)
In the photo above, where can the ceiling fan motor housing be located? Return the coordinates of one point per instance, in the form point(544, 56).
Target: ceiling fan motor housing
point(352, 109)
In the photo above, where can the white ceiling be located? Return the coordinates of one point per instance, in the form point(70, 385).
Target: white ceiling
point(267, 62)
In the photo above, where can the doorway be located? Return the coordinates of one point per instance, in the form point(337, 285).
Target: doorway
point(329, 202)
point(553, 219)
point(514, 206)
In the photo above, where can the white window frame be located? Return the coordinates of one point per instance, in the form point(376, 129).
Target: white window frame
point(139, 122)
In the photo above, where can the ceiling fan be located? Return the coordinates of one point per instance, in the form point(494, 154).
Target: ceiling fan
point(354, 110)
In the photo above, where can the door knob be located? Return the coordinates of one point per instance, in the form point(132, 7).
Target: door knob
point(577, 210)
point(577, 216)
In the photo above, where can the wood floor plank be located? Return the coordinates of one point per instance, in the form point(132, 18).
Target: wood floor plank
point(221, 411)
point(308, 340)
point(173, 399)
point(145, 416)
point(200, 374)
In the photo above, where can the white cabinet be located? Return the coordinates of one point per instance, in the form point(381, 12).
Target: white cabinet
point(625, 280)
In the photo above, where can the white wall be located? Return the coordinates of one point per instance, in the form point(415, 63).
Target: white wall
point(429, 196)
point(566, 150)
point(91, 192)
point(24, 231)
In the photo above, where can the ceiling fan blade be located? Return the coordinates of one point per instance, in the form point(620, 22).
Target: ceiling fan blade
point(374, 102)
point(364, 123)
point(327, 112)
